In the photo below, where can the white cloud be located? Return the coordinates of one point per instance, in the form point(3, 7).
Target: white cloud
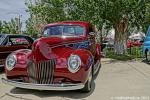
point(11, 8)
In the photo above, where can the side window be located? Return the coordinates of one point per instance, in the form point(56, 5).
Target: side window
point(69, 30)
point(18, 40)
point(79, 30)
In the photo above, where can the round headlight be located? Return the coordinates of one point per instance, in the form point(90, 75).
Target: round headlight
point(74, 63)
point(11, 61)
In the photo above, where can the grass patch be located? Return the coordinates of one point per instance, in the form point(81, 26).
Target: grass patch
point(121, 57)
point(136, 52)
point(132, 53)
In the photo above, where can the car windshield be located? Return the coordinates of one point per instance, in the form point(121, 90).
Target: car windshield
point(1, 39)
point(64, 30)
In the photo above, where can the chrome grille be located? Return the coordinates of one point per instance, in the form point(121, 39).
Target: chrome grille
point(42, 72)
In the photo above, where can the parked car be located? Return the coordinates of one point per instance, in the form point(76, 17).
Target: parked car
point(133, 43)
point(146, 46)
point(66, 57)
point(130, 43)
point(10, 43)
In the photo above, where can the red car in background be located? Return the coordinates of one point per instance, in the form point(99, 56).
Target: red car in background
point(66, 57)
point(132, 43)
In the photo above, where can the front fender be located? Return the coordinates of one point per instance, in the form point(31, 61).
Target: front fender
point(87, 58)
point(62, 72)
point(20, 68)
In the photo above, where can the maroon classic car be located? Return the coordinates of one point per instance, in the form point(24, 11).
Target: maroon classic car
point(12, 42)
point(66, 57)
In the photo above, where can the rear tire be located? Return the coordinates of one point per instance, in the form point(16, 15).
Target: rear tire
point(147, 55)
point(88, 85)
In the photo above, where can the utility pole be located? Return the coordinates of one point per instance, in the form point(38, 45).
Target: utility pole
point(18, 22)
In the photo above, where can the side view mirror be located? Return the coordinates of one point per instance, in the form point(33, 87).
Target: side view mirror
point(91, 33)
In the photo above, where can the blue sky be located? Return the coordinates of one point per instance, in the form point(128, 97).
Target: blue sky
point(11, 8)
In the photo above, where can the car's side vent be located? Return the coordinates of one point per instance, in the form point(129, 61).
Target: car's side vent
point(41, 72)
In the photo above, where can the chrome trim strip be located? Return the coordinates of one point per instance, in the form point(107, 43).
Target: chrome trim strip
point(66, 43)
point(7, 52)
point(54, 63)
point(43, 86)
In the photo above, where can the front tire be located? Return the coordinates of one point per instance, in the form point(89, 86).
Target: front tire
point(88, 85)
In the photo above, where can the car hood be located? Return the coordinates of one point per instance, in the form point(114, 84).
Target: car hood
point(52, 41)
point(56, 41)
point(44, 48)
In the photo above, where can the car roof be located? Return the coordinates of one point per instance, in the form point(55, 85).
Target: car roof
point(82, 23)
point(13, 34)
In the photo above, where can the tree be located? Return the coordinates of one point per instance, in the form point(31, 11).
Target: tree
point(11, 27)
point(120, 14)
point(146, 22)
point(43, 12)
point(47, 11)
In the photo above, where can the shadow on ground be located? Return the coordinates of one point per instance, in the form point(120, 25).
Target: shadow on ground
point(113, 61)
point(44, 94)
point(145, 61)
point(110, 61)
point(77, 94)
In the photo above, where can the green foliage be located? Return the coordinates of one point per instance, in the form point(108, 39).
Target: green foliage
point(112, 13)
point(133, 53)
point(11, 27)
point(146, 22)
point(30, 28)
point(136, 52)
point(119, 14)
point(121, 57)
point(86, 10)
point(43, 12)
point(108, 11)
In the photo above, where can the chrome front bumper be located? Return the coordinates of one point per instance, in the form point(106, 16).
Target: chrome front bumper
point(43, 86)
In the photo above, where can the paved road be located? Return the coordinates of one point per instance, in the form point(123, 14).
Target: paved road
point(115, 81)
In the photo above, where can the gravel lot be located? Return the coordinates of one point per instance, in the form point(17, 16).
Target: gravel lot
point(116, 81)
